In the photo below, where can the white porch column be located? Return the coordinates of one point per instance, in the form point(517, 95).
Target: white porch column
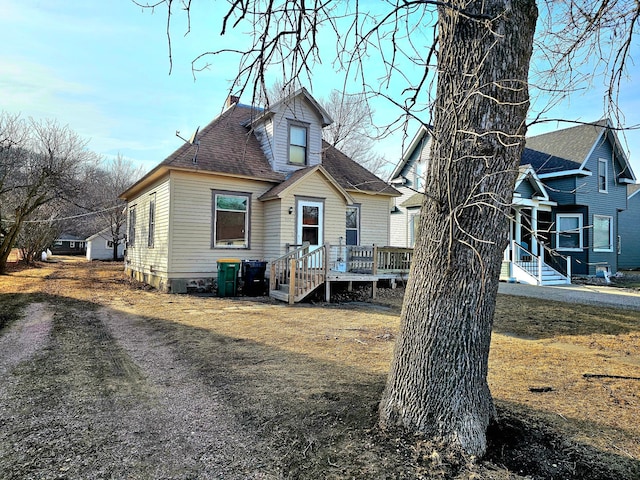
point(534, 230)
point(518, 233)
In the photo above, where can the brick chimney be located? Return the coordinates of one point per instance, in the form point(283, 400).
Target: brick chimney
point(232, 100)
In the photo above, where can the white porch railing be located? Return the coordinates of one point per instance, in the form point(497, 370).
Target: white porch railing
point(528, 267)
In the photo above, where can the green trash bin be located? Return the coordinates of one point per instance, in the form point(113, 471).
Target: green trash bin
point(228, 269)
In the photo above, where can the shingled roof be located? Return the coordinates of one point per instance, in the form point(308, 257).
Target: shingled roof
point(351, 175)
point(227, 145)
point(562, 150)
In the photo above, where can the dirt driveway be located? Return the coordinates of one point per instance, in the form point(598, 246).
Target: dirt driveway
point(94, 392)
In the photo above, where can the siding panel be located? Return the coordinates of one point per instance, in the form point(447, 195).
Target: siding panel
point(629, 228)
point(191, 228)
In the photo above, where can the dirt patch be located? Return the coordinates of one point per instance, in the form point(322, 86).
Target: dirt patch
point(131, 383)
point(28, 334)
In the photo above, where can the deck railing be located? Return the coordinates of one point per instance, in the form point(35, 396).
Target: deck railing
point(306, 273)
point(393, 259)
point(302, 270)
point(360, 259)
point(280, 267)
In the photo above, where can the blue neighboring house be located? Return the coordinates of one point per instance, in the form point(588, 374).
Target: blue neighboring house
point(586, 173)
point(568, 200)
point(629, 258)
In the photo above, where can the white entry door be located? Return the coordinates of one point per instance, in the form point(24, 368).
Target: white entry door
point(310, 218)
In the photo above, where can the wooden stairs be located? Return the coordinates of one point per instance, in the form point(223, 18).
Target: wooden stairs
point(297, 274)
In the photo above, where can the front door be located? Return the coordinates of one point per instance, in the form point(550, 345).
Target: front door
point(309, 221)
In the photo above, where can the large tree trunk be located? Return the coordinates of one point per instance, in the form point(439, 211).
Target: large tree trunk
point(438, 379)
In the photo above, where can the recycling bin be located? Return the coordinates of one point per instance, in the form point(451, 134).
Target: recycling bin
point(228, 269)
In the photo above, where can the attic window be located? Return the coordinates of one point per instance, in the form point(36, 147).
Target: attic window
point(297, 144)
point(602, 175)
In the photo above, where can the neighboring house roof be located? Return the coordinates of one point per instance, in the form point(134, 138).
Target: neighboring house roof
point(413, 201)
point(417, 141)
point(227, 146)
point(105, 233)
point(566, 151)
point(632, 190)
point(558, 153)
point(65, 237)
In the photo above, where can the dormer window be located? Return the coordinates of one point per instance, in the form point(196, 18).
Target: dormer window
point(297, 144)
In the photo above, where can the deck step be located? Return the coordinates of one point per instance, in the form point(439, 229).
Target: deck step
point(279, 295)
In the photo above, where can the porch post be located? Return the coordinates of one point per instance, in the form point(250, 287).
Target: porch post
point(534, 230)
point(325, 273)
point(518, 234)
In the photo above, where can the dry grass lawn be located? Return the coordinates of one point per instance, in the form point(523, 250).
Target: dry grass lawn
point(309, 375)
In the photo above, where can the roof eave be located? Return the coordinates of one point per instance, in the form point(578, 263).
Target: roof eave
point(422, 131)
point(566, 173)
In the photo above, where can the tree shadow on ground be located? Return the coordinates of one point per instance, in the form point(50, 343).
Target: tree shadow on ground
point(535, 319)
point(323, 417)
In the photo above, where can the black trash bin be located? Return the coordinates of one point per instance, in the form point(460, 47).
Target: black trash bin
point(253, 276)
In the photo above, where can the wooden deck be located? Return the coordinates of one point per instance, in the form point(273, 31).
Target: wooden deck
point(301, 271)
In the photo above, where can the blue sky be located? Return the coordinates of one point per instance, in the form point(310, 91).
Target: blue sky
point(102, 67)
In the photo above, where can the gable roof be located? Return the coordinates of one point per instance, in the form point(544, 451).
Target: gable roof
point(633, 190)
point(105, 233)
point(566, 151)
point(418, 141)
point(298, 176)
point(526, 173)
point(325, 118)
point(414, 201)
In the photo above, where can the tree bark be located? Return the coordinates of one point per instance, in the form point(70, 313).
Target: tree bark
point(438, 379)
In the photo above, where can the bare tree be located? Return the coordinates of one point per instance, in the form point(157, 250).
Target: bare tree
point(109, 180)
point(40, 164)
point(478, 108)
point(36, 236)
point(352, 130)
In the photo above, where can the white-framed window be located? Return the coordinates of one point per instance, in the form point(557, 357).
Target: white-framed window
point(353, 225)
point(414, 228)
point(569, 231)
point(109, 243)
point(152, 220)
point(231, 219)
point(420, 171)
point(602, 233)
point(132, 227)
point(602, 175)
point(72, 244)
point(298, 135)
point(58, 243)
